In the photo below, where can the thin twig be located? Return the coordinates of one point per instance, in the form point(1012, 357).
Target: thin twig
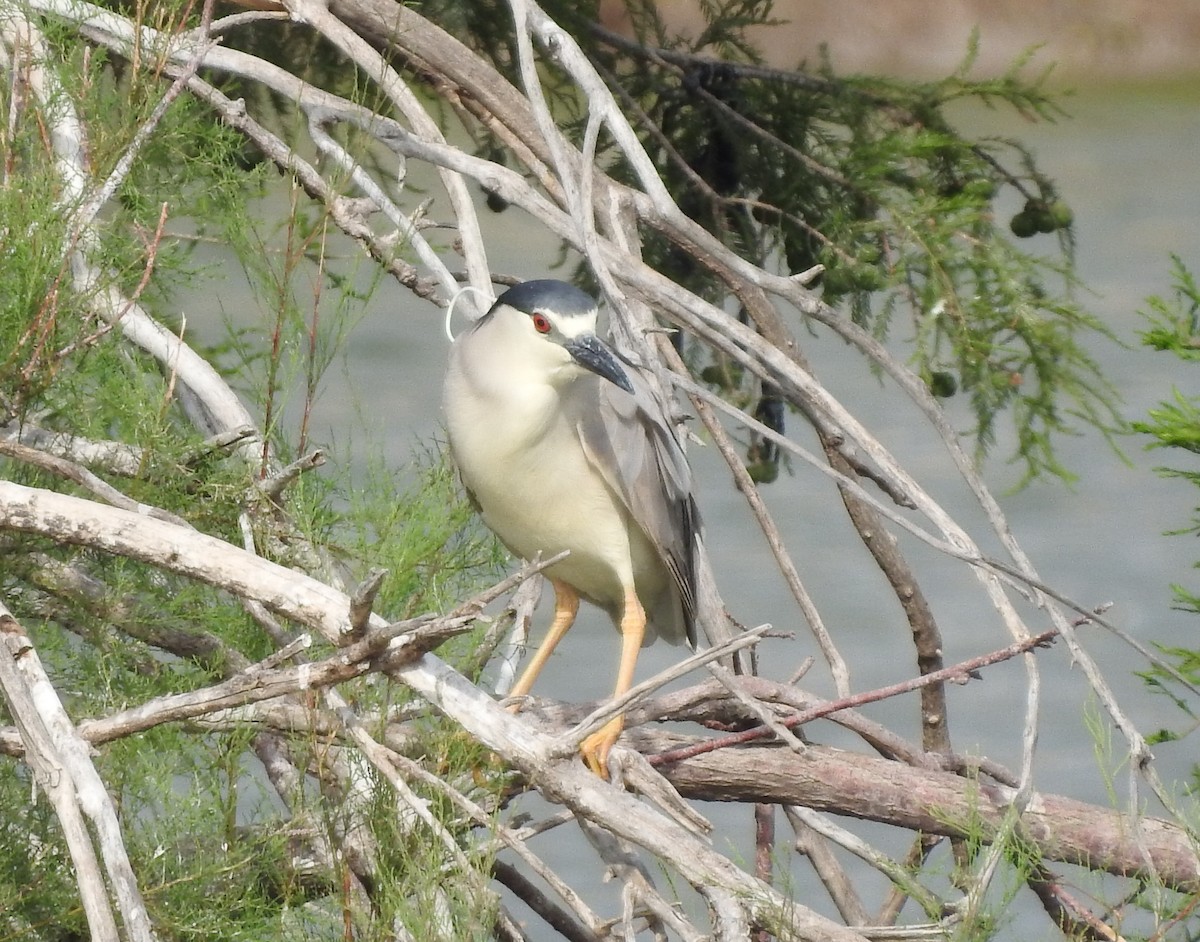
point(958, 673)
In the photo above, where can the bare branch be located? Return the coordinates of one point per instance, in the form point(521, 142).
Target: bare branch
point(941, 803)
point(60, 757)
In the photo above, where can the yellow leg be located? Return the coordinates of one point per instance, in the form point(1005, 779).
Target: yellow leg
point(566, 604)
point(595, 748)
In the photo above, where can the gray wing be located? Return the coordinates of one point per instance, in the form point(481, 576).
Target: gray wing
point(630, 441)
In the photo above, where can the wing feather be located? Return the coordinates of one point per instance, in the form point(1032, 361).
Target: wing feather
point(631, 442)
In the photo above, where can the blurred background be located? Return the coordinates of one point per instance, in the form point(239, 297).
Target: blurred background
point(1091, 40)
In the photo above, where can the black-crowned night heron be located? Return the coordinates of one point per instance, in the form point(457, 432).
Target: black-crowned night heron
point(561, 445)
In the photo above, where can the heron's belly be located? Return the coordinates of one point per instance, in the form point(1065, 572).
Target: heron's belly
point(545, 519)
point(541, 508)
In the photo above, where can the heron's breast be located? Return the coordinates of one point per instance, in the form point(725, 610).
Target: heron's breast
point(522, 460)
point(546, 499)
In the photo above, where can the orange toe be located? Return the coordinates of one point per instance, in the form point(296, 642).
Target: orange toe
point(596, 747)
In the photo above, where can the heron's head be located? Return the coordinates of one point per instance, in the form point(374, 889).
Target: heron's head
point(556, 323)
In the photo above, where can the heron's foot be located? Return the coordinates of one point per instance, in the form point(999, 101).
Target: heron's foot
point(596, 747)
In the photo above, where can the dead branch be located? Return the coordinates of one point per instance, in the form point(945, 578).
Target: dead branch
point(65, 771)
point(925, 800)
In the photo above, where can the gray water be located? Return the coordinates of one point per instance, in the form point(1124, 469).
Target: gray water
point(1126, 163)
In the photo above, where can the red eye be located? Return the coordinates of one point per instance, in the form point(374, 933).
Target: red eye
point(541, 323)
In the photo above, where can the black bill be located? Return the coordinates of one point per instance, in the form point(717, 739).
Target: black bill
point(594, 354)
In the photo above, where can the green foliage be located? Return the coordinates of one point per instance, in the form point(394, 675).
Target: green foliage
point(1175, 322)
point(37, 318)
point(430, 540)
point(38, 885)
point(1020, 861)
point(420, 881)
point(1174, 327)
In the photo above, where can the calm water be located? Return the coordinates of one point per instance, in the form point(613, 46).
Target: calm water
point(1126, 163)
